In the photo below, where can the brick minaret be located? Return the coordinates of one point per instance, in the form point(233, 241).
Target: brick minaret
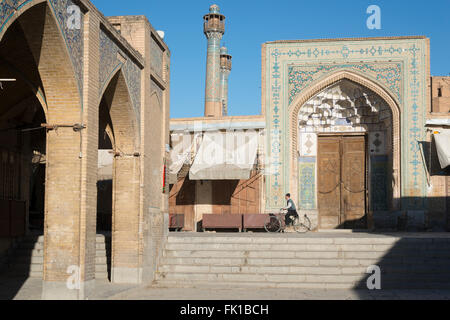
point(225, 69)
point(214, 28)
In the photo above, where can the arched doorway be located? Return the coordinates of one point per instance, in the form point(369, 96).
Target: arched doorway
point(345, 154)
point(118, 190)
point(43, 107)
point(23, 149)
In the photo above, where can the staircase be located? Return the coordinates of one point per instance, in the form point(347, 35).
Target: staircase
point(314, 260)
point(27, 258)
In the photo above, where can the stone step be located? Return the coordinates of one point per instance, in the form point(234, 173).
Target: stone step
point(411, 270)
point(101, 275)
point(28, 258)
point(237, 277)
point(352, 280)
point(27, 253)
point(311, 261)
point(26, 267)
point(101, 259)
point(297, 262)
point(308, 239)
point(33, 239)
point(34, 259)
point(102, 238)
point(242, 284)
point(100, 246)
point(31, 245)
point(299, 254)
point(101, 268)
point(391, 248)
point(293, 285)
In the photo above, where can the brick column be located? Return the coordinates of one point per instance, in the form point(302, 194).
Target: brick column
point(71, 191)
point(125, 225)
point(62, 233)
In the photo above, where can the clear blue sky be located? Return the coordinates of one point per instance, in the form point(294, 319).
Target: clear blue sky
point(249, 23)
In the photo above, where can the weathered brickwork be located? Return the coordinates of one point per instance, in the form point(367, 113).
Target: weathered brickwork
point(77, 72)
point(440, 94)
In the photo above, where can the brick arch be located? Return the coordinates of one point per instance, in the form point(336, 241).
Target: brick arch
point(124, 123)
point(52, 59)
point(17, 13)
point(123, 130)
point(333, 78)
point(37, 90)
point(66, 182)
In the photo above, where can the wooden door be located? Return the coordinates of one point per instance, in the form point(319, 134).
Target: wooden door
point(342, 182)
point(353, 187)
point(329, 181)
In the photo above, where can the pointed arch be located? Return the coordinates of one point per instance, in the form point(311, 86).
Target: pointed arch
point(123, 119)
point(16, 13)
point(330, 80)
point(119, 120)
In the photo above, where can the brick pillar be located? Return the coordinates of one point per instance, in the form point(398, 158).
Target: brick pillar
point(62, 233)
point(125, 229)
point(71, 192)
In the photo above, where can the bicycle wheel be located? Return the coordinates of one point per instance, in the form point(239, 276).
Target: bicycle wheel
point(272, 224)
point(302, 224)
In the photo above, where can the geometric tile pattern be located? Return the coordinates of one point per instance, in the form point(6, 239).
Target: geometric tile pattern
point(379, 196)
point(73, 38)
point(388, 73)
point(212, 90)
point(409, 54)
point(156, 62)
point(307, 187)
point(111, 59)
point(7, 9)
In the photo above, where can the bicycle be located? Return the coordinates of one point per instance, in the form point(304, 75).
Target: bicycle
point(276, 223)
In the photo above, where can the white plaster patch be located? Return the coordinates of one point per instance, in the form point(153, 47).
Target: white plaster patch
point(308, 145)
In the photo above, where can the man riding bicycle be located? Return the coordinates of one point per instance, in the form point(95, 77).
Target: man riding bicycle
point(292, 221)
point(291, 211)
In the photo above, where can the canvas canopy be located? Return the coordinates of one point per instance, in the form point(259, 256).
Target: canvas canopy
point(225, 156)
point(179, 155)
point(443, 149)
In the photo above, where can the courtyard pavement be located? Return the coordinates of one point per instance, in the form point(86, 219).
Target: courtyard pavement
point(30, 289)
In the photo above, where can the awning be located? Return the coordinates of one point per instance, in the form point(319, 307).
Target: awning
point(179, 155)
point(176, 166)
point(443, 148)
point(225, 156)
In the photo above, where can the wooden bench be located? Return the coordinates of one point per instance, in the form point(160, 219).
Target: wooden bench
point(176, 221)
point(254, 221)
point(222, 221)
